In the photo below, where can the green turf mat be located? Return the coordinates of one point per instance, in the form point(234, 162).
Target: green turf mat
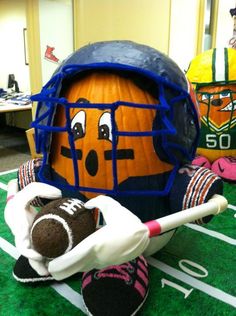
point(25, 300)
point(5, 178)
point(198, 263)
point(167, 301)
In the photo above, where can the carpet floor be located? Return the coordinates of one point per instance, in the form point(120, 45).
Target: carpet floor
point(14, 149)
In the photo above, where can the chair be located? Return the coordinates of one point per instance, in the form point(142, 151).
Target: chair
point(31, 142)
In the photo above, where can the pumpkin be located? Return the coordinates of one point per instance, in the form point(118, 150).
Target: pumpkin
point(117, 118)
point(218, 118)
point(213, 75)
point(135, 156)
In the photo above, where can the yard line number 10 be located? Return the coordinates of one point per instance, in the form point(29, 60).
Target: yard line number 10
point(182, 263)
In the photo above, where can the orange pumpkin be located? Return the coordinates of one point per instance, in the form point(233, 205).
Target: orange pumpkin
point(213, 74)
point(218, 117)
point(93, 137)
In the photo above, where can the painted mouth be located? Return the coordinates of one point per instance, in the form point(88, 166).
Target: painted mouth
point(229, 107)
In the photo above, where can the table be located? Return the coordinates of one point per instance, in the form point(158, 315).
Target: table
point(10, 107)
point(14, 102)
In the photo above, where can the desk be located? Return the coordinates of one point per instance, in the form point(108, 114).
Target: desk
point(15, 114)
point(15, 102)
point(10, 107)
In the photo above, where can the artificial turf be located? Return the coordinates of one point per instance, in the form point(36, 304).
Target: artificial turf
point(211, 258)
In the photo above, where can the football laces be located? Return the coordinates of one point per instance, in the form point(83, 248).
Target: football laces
point(71, 206)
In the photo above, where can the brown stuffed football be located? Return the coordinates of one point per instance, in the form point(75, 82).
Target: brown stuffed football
point(60, 226)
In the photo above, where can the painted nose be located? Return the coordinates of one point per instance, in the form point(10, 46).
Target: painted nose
point(216, 102)
point(91, 163)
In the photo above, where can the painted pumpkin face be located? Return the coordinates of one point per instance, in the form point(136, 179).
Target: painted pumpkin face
point(218, 116)
point(93, 137)
point(218, 104)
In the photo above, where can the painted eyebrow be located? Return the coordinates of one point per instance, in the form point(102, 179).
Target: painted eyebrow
point(120, 154)
point(66, 152)
point(82, 100)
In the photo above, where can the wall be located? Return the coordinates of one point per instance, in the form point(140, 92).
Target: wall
point(225, 23)
point(169, 26)
point(172, 26)
point(12, 59)
point(183, 31)
point(12, 55)
point(56, 31)
point(143, 21)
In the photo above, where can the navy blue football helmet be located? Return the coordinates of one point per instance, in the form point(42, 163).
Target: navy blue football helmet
point(175, 130)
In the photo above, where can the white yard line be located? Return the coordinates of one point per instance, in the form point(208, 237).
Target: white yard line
point(232, 207)
point(3, 186)
point(201, 286)
point(61, 288)
point(8, 171)
point(212, 233)
point(9, 248)
point(71, 295)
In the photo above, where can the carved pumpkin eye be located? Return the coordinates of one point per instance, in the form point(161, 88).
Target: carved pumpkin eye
point(104, 127)
point(225, 94)
point(78, 125)
point(206, 96)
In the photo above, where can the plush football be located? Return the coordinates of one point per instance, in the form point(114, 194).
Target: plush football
point(61, 225)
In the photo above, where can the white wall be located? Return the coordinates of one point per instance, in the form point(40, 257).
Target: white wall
point(100, 20)
point(183, 27)
point(225, 23)
point(12, 60)
point(56, 30)
point(142, 21)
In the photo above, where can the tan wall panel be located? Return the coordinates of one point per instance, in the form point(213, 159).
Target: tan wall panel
point(186, 23)
point(143, 21)
point(33, 37)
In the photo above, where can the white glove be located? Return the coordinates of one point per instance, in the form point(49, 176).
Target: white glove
point(19, 216)
point(123, 238)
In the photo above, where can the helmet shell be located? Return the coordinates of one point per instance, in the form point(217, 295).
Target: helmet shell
point(175, 128)
point(214, 66)
point(110, 54)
